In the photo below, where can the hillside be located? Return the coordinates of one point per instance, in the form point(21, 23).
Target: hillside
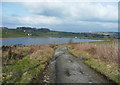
point(45, 32)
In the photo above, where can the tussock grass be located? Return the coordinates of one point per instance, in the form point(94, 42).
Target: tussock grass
point(107, 52)
point(26, 69)
point(102, 56)
point(111, 72)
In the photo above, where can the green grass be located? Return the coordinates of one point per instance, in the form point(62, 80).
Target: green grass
point(8, 33)
point(24, 69)
point(105, 42)
point(109, 69)
point(101, 67)
point(26, 50)
point(77, 53)
point(30, 67)
point(14, 33)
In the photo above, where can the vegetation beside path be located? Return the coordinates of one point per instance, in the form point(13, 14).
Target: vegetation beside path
point(23, 64)
point(101, 56)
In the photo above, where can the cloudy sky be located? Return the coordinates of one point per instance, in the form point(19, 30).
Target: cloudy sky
point(62, 16)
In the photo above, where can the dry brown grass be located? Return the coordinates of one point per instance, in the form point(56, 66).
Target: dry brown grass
point(107, 52)
point(43, 53)
point(101, 56)
point(17, 69)
point(12, 54)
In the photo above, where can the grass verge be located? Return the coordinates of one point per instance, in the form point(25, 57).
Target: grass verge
point(109, 71)
point(99, 56)
point(28, 68)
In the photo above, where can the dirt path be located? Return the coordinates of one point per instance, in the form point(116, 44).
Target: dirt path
point(65, 68)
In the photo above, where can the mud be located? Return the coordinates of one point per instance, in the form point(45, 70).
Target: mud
point(65, 68)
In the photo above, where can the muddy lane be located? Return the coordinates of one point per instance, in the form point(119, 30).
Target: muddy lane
point(65, 68)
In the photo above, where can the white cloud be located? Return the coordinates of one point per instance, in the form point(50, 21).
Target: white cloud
point(102, 24)
point(36, 20)
point(60, 12)
point(98, 12)
point(44, 8)
point(74, 10)
point(60, 0)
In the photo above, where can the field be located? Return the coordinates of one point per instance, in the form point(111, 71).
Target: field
point(15, 33)
point(23, 64)
point(101, 56)
point(9, 33)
